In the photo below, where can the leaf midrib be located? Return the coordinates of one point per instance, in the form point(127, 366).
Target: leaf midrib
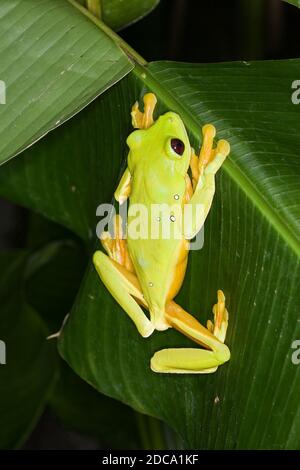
point(142, 71)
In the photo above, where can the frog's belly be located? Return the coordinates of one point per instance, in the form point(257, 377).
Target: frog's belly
point(155, 263)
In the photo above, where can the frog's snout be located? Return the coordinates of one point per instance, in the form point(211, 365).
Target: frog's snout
point(172, 124)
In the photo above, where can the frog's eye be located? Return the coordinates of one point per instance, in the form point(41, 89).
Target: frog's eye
point(177, 146)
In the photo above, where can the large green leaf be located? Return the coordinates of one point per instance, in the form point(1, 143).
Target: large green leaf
point(54, 61)
point(251, 251)
point(27, 377)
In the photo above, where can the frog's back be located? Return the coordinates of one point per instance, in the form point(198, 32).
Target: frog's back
point(157, 246)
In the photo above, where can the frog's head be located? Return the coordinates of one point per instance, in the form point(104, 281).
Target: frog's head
point(166, 139)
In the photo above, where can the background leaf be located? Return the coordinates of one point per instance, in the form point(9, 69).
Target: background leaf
point(293, 2)
point(53, 63)
point(27, 377)
point(53, 274)
point(118, 14)
point(48, 278)
point(81, 407)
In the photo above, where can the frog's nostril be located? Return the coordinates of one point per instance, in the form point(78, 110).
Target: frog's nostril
point(178, 146)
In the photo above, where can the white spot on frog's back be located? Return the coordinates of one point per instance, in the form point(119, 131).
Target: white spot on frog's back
point(143, 262)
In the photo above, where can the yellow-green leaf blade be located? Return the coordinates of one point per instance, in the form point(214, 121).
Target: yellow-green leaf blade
point(54, 61)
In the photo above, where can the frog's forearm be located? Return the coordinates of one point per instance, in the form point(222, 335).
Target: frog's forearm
point(123, 190)
point(200, 205)
point(204, 192)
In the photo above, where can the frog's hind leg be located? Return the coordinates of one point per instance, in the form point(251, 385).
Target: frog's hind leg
point(116, 273)
point(124, 287)
point(192, 360)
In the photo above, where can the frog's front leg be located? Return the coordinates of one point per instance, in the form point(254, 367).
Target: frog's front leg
point(143, 120)
point(116, 273)
point(204, 169)
point(192, 360)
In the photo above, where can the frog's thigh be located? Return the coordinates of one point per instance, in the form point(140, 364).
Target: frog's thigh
point(123, 285)
point(190, 360)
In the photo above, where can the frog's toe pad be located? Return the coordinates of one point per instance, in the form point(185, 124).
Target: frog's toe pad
point(223, 148)
point(220, 324)
point(184, 361)
point(143, 120)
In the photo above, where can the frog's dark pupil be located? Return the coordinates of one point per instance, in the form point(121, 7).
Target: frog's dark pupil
point(178, 146)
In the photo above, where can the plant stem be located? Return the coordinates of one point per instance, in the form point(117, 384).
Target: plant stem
point(151, 432)
point(251, 21)
point(143, 431)
point(94, 6)
point(155, 428)
point(129, 51)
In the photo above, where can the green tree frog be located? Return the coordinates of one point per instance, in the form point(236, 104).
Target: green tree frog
point(147, 273)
